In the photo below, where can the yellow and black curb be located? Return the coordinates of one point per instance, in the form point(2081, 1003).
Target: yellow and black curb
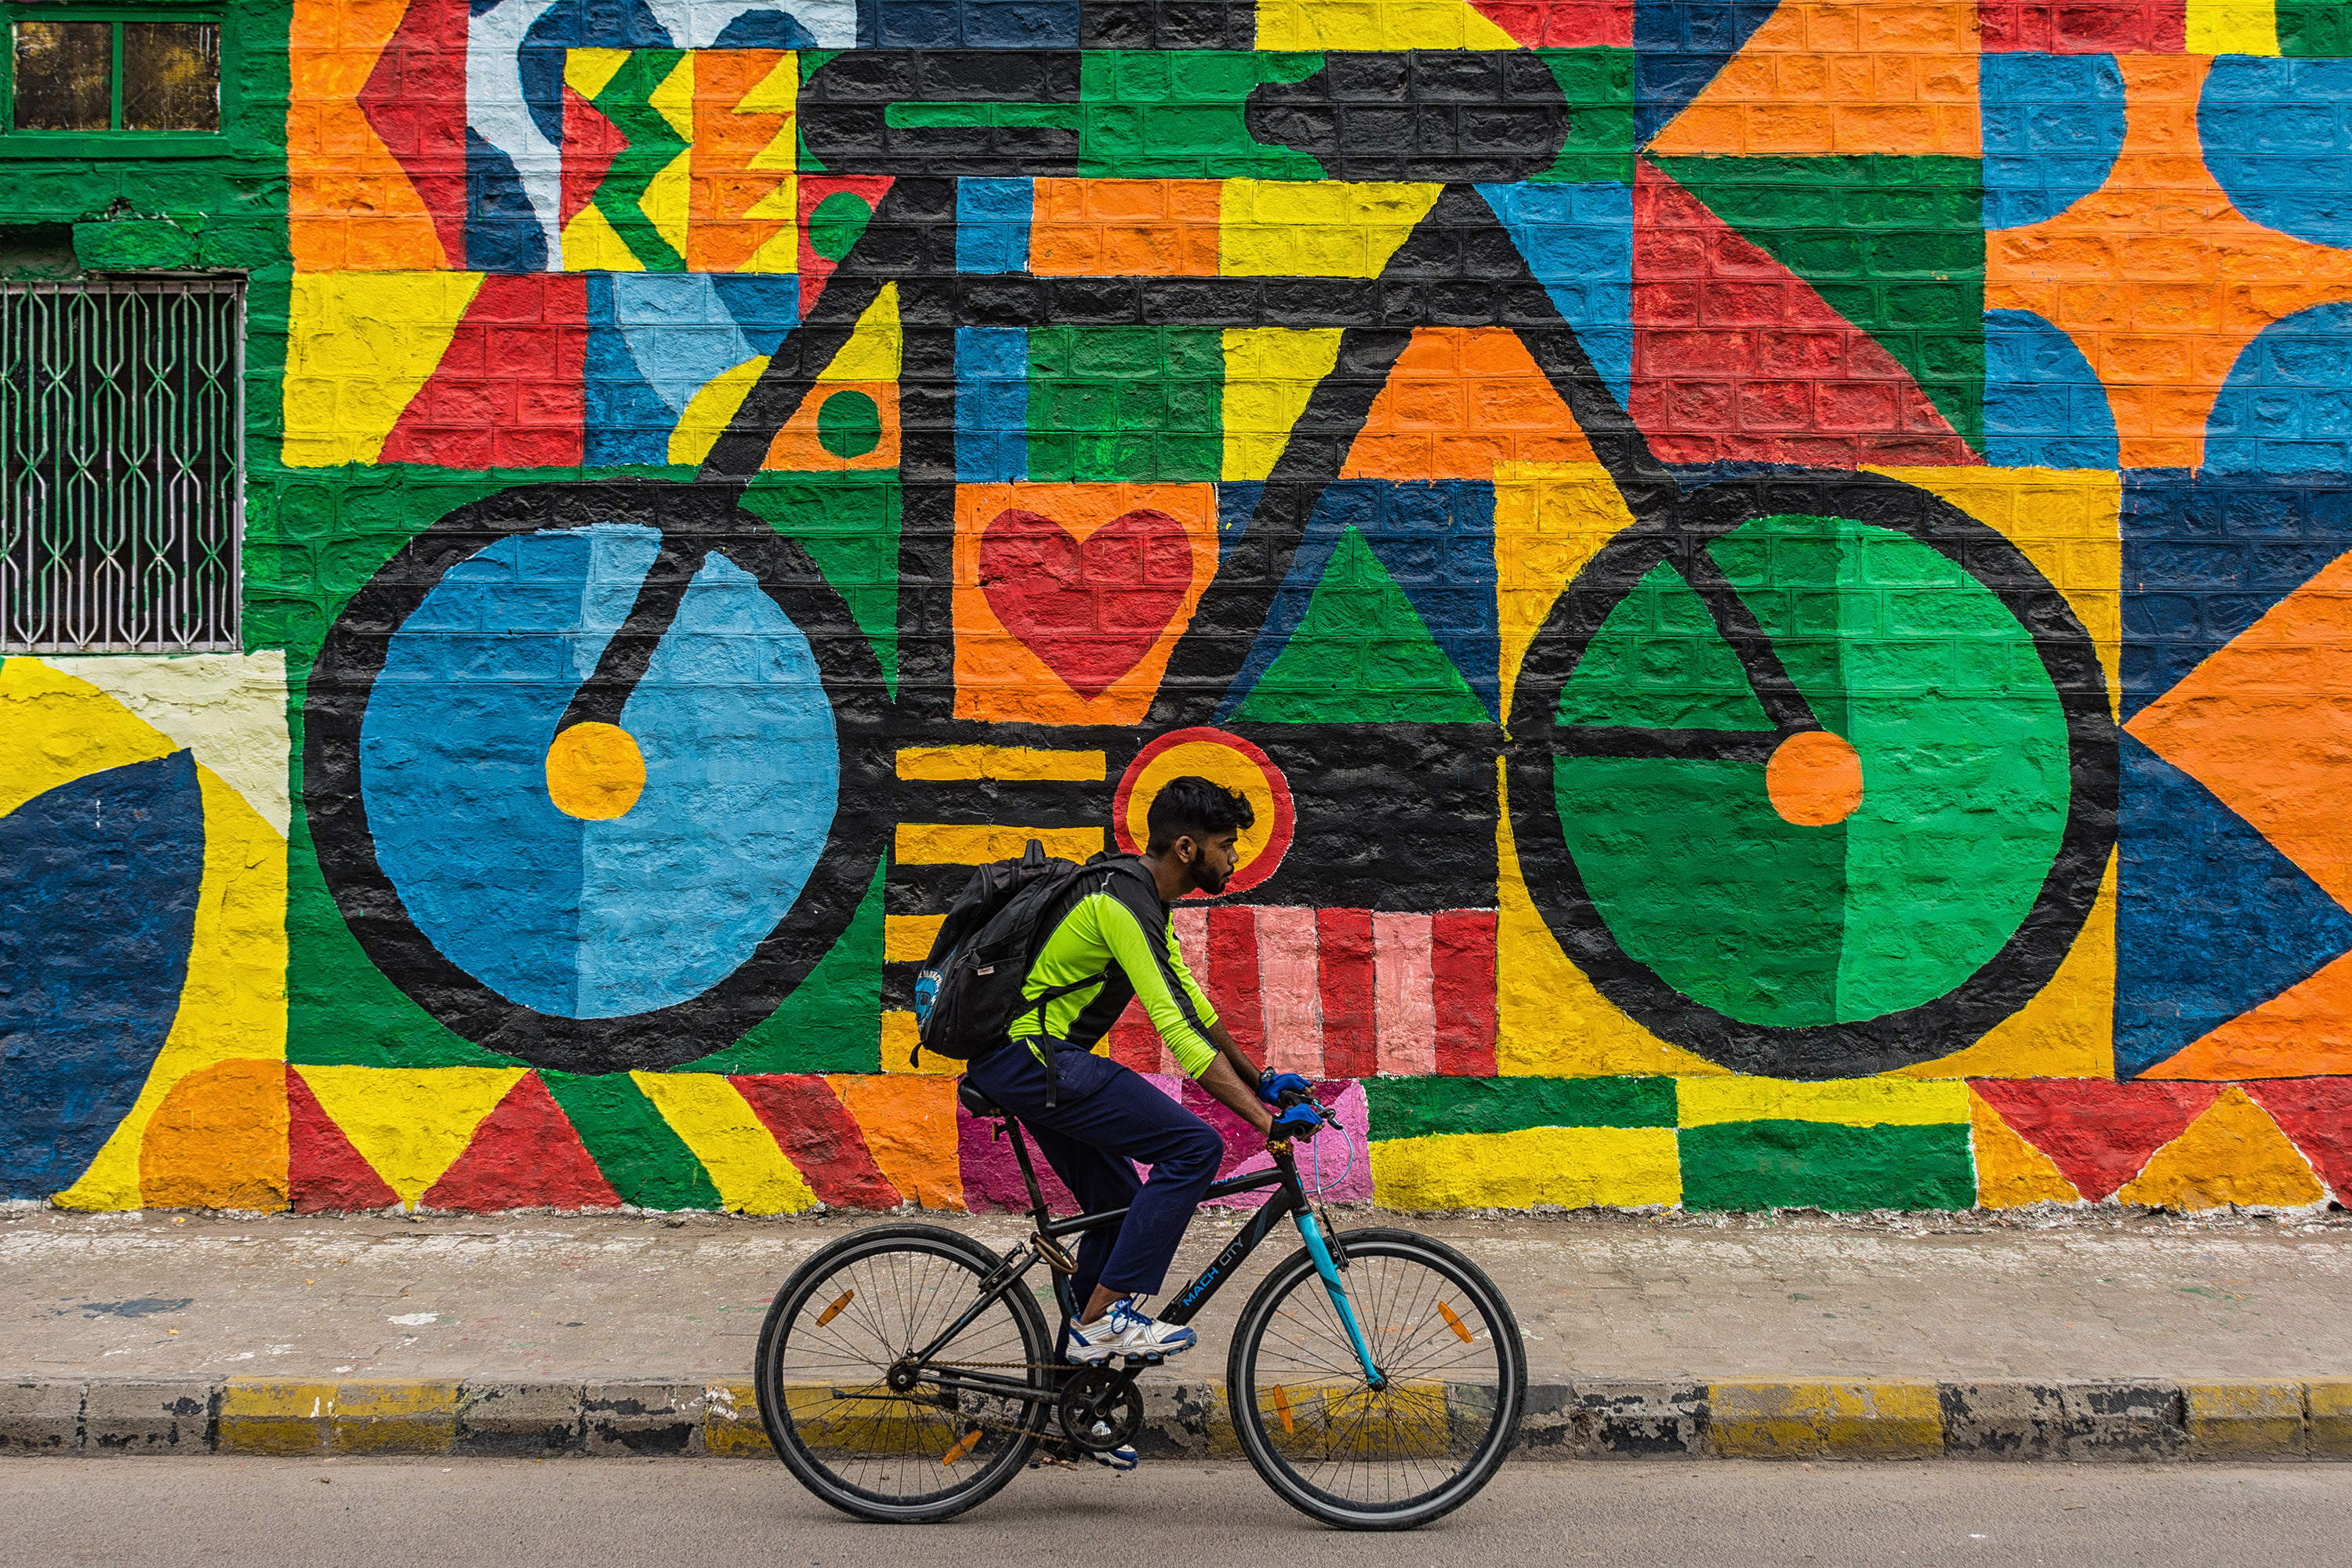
point(2087, 1419)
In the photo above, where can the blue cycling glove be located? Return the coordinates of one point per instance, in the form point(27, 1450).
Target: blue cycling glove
point(1298, 1121)
point(1271, 1086)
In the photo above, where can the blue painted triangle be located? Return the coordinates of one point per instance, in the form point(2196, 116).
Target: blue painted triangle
point(2211, 920)
point(1437, 544)
point(1680, 44)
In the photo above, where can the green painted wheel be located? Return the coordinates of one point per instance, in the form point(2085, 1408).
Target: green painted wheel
point(1814, 792)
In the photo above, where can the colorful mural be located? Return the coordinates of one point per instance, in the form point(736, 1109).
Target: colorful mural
point(1774, 572)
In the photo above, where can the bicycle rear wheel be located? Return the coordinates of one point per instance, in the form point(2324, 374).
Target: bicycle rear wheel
point(834, 1333)
point(1455, 1380)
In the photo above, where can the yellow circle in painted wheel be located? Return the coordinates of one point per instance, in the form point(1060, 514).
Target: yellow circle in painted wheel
point(594, 772)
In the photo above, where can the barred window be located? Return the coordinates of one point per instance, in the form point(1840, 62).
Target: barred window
point(121, 418)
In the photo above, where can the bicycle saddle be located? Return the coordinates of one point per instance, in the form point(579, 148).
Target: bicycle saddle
point(976, 1102)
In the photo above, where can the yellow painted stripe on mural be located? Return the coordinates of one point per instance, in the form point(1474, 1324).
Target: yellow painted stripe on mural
point(2232, 28)
point(1315, 228)
point(1013, 764)
point(233, 1003)
point(727, 1135)
point(712, 409)
point(409, 1124)
point(1270, 375)
point(900, 1033)
point(872, 352)
point(55, 727)
point(1852, 1102)
point(906, 938)
point(1384, 25)
point(1575, 1167)
point(674, 98)
point(668, 200)
point(359, 345)
point(960, 844)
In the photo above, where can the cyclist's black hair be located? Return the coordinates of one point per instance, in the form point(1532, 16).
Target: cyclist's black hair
point(1196, 806)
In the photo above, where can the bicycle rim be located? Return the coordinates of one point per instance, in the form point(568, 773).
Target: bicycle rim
point(825, 1353)
point(1432, 1433)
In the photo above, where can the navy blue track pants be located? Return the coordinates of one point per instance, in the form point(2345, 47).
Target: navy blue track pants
point(1105, 1115)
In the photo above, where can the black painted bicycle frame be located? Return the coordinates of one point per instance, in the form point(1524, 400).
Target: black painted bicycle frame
point(1291, 1200)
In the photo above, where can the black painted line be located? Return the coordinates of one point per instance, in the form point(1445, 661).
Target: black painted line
point(1598, 741)
point(1750, 644)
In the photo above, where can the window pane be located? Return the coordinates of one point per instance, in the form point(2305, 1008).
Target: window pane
point(171, 75)
point(62, 71)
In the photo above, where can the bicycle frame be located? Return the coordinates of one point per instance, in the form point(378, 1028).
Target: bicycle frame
point(1290, 1201)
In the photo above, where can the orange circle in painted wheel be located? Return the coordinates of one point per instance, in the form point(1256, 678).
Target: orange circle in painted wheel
point(594, 772)
point(1814, 779)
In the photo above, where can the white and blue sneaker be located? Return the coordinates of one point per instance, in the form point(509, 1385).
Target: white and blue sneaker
point(1123, 1330)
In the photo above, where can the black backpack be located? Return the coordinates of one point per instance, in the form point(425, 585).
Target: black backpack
point(969, 990)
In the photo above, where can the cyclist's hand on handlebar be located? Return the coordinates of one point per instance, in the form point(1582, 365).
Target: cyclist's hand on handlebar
point(1298, 1122)
point(1271, 1086)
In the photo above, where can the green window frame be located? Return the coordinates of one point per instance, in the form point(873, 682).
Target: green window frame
point(115, 141)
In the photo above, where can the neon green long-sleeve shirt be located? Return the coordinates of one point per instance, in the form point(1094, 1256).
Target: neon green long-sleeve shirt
point(1105, 932)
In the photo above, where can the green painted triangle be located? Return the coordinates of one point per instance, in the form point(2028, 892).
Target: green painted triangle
point(848, 522)
point(1659, 663)
point(1361, 654)
point(833, 1020)
point(1895, 245)
point(647, 1162)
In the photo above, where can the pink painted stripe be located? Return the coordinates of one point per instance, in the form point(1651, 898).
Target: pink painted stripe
point(1290, 990)
point(1404, 996)
point(1192, 940)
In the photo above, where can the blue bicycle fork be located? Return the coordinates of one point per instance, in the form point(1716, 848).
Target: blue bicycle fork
point(1312, 1234)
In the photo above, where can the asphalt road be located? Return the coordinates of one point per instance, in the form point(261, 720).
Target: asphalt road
point(710, 1514)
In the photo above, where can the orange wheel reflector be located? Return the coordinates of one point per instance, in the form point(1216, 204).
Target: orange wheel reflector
point(964, 1446)
point(830, 1314)
point(1282, 1409)
point(1451, 1321)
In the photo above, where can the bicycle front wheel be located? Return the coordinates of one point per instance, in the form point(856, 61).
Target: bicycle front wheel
point(1438, 1423)
point(925, 1449)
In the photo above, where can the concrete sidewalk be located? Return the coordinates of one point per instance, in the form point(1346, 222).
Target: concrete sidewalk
point(2137, 1334)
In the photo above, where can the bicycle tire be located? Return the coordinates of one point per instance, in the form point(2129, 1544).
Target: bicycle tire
point(895, 1287)
point(1477, 1419)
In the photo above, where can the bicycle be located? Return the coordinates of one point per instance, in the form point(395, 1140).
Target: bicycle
point(905, 1373)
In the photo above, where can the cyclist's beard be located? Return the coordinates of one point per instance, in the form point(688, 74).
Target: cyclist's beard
point(1211, 881)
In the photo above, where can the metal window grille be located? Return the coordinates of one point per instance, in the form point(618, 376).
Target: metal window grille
point(121, 493)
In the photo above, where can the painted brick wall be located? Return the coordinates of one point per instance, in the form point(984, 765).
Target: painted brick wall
point(1772, 574)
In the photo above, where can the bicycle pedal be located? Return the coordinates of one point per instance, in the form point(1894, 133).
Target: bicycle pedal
point(1149, 1358)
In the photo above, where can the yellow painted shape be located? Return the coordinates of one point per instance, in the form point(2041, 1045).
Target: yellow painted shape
point(907, 939)
point(1849, 1101)
point(1575, 1167)
point(590, 244)
point(1549, 519)
point(589, 71)
point(233, 1003)
point(2068, 1029)
point(958, 843)
point(1315, 228)
point(594, 772)
point(900, 1033)
point(782, 253)
point(409, 1124)
point(674, 98)
point(1270, 373)
point(909, 1123)
point(358, 347)
point(1550, 1021)
point(872, 352)
point(1376, 24)
point(745, 1162)
point(54, 729)
point(2068, 522)
point(778, 92)
point(712, 409)
point(1832, 1420)
point(668, 199)
point(1022, 765)
point(2234, 1154)
point(2232, 28)
point(2012, 1173)
point(217, 1139)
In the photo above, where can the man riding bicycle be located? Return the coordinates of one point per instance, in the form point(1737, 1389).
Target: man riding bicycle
point(1091, 1115)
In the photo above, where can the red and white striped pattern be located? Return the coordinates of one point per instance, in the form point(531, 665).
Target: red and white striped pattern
point(1339, 992)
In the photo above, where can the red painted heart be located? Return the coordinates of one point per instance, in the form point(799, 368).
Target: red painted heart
point(1089, 611)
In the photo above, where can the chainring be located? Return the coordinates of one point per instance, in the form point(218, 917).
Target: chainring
point(1100, 1410)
